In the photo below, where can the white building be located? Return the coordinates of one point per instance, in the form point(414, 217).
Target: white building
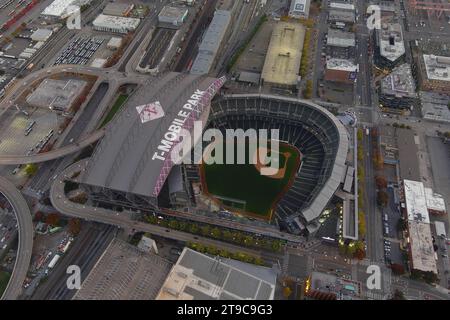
point(299, 9)
point(115, 24)
point(41, 35)
point(172, 15)
point(437, 67)
point(58, 8)
point(422, 254)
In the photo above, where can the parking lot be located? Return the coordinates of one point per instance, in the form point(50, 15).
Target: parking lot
point(79, 51)
point(44, 121)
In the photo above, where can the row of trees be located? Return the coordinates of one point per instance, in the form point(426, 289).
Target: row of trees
point(232, 236)
point(305, 51)
point(241, 256)
point(307, 92)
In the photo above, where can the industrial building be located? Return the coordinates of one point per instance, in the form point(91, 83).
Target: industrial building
point(435, 106)
point(41, 35)
point(299, 9)
point(58, 8)
point(341, 16)
point(421, 251)
point(114, 43)
point(124, 272)
point(282, 63)
point(211, 42)
point(197, 276)
point(340, 44)
point(56, 94)
point(434, 72)
point(115, 24)
point(172, 16)
point(389, 46)
point(398, 89)
point(341, 70)
point(118, 9)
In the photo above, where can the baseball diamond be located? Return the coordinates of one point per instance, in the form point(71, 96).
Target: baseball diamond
point(242, 187)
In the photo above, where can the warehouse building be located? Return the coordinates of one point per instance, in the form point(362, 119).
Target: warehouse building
point(58, 9)
point(56, 94)
point(114, 43)
point(118, 9)
point(282, 64)
point(172, 16)
point(389, 46)
point(211, 43)
point(299, 9)
point(197, 276)
point(115, 24)
point(340, 44)
point(41, 35)
point(398, 89)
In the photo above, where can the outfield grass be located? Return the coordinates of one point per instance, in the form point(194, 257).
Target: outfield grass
point(116, 107)
point(244, 183)
point(4, 278)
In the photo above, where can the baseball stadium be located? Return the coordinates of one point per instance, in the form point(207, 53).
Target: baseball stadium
point(131, 167)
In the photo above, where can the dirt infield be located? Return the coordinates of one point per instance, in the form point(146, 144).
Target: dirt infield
point(281, 172)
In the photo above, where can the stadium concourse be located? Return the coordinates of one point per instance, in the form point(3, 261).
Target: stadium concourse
point(131, 169)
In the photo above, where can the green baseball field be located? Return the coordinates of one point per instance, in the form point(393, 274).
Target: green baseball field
point(242, 187)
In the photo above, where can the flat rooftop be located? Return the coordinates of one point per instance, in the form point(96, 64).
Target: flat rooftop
point(435, 106)
point(124, 272)
point(342, 6)
point(58, 8)
point(56, 94)
point(341, 65)
point(407, 144)
point(173, 12)
point(116, 22)
point(339, 38)
point(339, 15)
point(391, 42)
point(211, 42)
point(197, 276)
point(282, 62)
point(340, 288)
point(437, 67)
point(400, 82)
point(435, 201)
point(421, 243)
point(125, 160)
point(416, 202)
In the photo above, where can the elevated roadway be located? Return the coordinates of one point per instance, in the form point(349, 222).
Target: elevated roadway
point(25, 246)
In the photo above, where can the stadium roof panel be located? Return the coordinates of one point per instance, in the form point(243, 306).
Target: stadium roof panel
point(133, 156)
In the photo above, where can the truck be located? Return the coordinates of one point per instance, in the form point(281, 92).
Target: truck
point(30, 66)
point(54, 261)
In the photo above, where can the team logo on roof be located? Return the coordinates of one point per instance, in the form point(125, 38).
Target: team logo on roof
point(151, 111)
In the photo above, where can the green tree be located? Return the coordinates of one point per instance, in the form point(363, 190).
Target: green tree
point(193, 228)
point(31, 169)
point(205, 230)
point(215, 232)
point(173, 224)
